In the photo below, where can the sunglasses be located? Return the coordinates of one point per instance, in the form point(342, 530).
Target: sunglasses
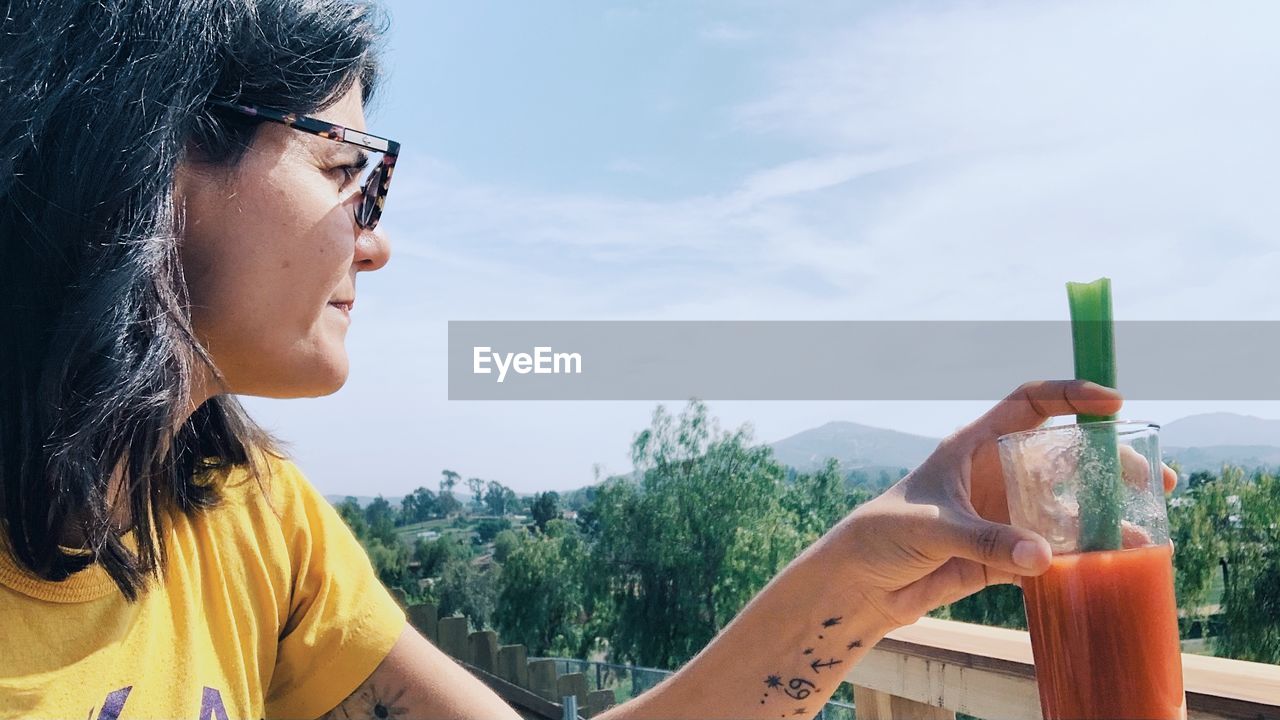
point(377, 178)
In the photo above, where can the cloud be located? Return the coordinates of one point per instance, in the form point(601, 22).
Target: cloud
point(928, 161)
point(723, 33)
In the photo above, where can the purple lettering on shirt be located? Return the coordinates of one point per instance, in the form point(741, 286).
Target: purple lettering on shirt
point(211, 707)
point(114, 704)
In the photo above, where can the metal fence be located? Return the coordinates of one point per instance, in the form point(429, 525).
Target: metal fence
point(628, 681)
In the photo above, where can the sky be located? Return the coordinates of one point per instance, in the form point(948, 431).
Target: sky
point(786, 161)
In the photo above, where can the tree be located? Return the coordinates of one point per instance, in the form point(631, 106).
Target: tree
point(381, 518)
point(540, 592)
point(545, 507)
point(689, 544)
point(476, 486)
point(448, 479)
point(353, 516)
point(391, 561)
point(466, 589)
point(418, 506)
point(433, 555)
point(488, 528)
point(447, 504)
point(506, 543)
point(1199, 478)
point(499, 499)
point(1251, 596)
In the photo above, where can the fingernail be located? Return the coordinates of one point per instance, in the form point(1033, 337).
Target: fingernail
point(1024, 554)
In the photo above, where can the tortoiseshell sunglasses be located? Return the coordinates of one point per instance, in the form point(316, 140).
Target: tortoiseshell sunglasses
point(378, 175)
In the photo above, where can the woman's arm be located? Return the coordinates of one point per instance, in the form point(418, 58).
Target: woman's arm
point(418, 681)
point(783, 655)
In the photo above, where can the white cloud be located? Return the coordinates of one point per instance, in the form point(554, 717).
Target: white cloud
point(723, 33)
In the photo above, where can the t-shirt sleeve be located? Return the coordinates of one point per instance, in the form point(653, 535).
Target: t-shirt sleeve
point(341, 622)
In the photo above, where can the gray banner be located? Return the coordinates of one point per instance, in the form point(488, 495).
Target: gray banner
point(846, 360)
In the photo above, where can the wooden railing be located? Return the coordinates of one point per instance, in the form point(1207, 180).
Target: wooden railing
point(930, 670)
point(935, 668)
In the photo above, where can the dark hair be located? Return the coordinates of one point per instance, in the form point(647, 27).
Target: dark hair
point(99, 102)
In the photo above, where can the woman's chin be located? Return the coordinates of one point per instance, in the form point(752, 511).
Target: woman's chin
point(305, 382)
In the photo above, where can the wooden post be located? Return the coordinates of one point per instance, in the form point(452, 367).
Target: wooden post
point(598, 701)
point(423, 617)
point(542, 679)
point(484, 650)
point(573, 684)
point(401, 599)
point(874, 705)
point(453, 638)
point(513, 665)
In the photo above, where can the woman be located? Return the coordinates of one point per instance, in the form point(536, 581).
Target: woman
point(174, 231)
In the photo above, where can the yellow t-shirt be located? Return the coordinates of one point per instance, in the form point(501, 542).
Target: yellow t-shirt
point(258, 615)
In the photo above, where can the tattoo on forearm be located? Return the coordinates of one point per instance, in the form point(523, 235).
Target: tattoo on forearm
point(369, 702)
point(799, 688)
point(817, 665)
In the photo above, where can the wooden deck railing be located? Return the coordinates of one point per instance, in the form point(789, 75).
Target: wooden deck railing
point(926, 671)
point(936, 668)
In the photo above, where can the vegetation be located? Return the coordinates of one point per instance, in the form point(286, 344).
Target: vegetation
point(656, 562)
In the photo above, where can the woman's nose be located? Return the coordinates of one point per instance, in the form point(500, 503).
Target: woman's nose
point(373, 250)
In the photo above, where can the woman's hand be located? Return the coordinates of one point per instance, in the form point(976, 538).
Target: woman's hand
point(941, 533)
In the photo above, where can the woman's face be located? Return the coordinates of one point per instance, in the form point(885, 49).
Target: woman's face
point(268, 248)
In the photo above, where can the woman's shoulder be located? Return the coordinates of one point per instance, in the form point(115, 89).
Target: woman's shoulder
point(265, 478)
point(272, 494)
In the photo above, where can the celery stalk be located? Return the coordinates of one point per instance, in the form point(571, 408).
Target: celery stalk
point(1101, 486)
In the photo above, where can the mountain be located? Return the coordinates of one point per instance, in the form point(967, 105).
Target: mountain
point(855, 446)
point(1197, 442)
point(1214, 429)
point(1212, 458)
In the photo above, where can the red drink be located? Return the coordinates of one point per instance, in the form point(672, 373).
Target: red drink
point(1104, 634)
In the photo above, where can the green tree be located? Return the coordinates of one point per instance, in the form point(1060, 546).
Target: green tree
point(466, 589)
point(1251, 597)
point(488, 528)
point(1199, 528)
point(447, 504)
point(819, 500)
point(683, 549)
point(448, 480)
point(506, 543)
point(540, 599)
point(418, 506)
point(381, 518)
point(545, 507)
point(433, 555)
point(391, 562)
point(499, 499)
point(353, 516)
point(476, 486)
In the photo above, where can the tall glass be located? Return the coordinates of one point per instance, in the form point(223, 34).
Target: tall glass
point(1103, 619)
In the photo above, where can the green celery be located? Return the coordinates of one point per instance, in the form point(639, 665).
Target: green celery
point(1101, 488)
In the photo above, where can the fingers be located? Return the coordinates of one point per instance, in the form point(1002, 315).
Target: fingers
point(1137, 470)
point(1034, 402)
point(1133, 536)
point(1170, 478)
point(1004, 549)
